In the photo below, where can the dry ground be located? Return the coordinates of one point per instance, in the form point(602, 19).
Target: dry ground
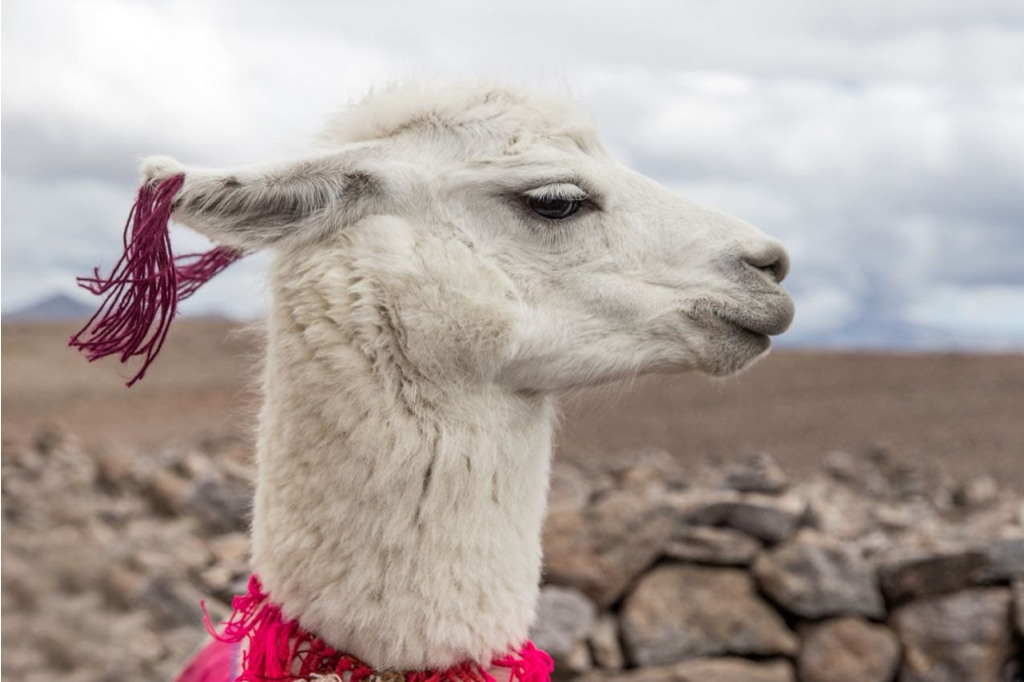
point(957, 411)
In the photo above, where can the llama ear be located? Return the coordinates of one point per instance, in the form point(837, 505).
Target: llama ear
point(255, 207)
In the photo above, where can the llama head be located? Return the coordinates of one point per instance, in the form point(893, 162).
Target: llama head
point(485, 233)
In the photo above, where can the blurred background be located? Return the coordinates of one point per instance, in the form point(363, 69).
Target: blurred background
point(882, 142)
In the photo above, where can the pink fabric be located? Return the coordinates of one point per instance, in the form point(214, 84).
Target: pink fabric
point(216, 662)
point(278, 649)
point(147, 283)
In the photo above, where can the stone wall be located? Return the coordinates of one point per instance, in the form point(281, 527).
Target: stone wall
point(870, 570)
point(866, 570)
point(107, 555)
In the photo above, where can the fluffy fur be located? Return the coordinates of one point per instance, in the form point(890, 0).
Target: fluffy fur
point(424, 318)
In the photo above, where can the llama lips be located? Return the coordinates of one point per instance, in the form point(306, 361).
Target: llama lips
point(766, 319)
point(767, 315)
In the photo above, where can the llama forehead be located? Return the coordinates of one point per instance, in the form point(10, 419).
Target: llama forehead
point(468, 122)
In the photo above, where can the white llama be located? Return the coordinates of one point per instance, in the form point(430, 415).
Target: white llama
point(449, 262)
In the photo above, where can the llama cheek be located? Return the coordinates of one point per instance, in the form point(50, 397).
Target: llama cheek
point(471, 345)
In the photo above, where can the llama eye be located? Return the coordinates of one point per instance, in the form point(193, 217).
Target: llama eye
point(554, 208)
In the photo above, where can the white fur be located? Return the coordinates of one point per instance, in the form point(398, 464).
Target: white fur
point(423, 319)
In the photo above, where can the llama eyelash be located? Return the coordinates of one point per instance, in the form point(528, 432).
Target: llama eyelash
point(560, 190)
point(575, 201)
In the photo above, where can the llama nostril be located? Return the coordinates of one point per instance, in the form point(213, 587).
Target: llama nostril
point(773, 262)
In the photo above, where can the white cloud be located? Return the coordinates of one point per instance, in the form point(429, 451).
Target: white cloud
point(883, 142)
point(982, 312)
point(824, 311)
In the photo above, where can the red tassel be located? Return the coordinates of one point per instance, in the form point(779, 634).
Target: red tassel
point(144, 288)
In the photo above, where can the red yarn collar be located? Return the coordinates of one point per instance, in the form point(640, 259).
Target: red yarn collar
point(278, 650)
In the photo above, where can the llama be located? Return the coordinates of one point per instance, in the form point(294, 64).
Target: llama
point(447, 263)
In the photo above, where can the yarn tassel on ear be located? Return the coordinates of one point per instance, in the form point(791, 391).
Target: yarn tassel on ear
point(145, 286)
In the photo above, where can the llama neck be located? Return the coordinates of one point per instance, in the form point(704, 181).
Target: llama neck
point(398, 520)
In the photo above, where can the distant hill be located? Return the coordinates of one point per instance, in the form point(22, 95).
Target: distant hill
point(63, 307)
point(56, 307)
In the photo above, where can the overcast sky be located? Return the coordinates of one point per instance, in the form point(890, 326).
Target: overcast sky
point(883, 142)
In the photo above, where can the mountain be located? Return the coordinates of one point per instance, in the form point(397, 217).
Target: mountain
point(56, 307)
point(63, 307)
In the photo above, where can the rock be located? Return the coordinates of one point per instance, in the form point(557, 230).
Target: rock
point(649, 471)
point(726, 669)
point(218, 580)
point(976, 493)
point(49, 438)
point(1004, 561)
point(115, 468)
point(576, 662)
point(734, 670)
point(815, 577)
point(119, 586)
point(961, 636)
point(848, 649)
point(605, 645)
point(568, 487)
point(838, 510)
point(232, 548)
point(230, 564)
point(919, 575)
point(191, 552)
point(758, 473)
point(67, 470)
point(193, 464)
point(166, 491)
point(842, 466)
point(710, 545)
point(1018, 607)
point(601, 549)
point(878, 475)
point(173, 547)
point(892, 518)
point(767, 518)
point(143, 645)
point(222, 503)
point(564, 619)
point(683, 611)
point(171, 603)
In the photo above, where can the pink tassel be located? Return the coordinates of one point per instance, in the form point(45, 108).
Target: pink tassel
point(529, 664)
point(144, 288)
point(281, 650)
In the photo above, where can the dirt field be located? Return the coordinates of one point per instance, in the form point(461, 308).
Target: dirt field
point(960, 412)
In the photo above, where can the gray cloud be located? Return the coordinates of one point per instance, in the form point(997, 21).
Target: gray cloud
point(883, 142)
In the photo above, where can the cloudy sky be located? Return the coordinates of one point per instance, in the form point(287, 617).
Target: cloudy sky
point(883, 142)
